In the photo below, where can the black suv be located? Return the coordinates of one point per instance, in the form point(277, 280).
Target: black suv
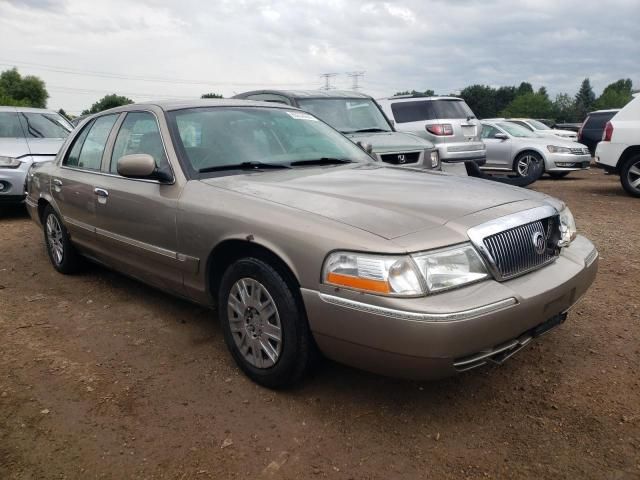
point(590, 132)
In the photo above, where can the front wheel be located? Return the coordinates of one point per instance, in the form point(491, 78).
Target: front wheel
point(630, 176)
point(264, 327)
point(62, 253)
point(529, 167)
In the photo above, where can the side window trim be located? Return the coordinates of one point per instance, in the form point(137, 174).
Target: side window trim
point(72, 145)
point(112, 141)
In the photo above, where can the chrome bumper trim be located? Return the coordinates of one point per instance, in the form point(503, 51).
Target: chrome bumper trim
point(418, 316)
point(591, 258)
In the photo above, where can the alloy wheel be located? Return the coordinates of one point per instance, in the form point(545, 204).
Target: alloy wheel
point(524, 164)
point(54, 239)
point(255, 323)
point(633, 175)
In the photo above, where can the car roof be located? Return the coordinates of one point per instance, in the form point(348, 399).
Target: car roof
point(169, 105)
point(407, 98)
point(610, 110)
point(26, 110)
point(307, 93)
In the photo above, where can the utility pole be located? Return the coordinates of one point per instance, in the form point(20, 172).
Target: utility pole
point(355, 76)
point(327, 80)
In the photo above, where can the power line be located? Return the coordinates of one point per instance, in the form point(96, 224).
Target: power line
point(88, 91)
point(117, 76)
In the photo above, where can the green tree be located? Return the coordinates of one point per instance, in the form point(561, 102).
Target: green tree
point(503, 97)
point(524, 88)
point(585, 100)
point(564, 108)
point(615, 95)
point(211, 95)
point(107, 102)
point(17, 90)
point(415, 93)
point(534, 105)
point(481, 99)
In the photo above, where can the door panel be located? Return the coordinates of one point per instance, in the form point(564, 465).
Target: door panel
point(498, 150)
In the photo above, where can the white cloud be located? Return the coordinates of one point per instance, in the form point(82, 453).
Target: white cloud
point(231, 46)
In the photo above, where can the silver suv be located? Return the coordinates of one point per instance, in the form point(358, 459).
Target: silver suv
point(359, 118)
point(448, 122)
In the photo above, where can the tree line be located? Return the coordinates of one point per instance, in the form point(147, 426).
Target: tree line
point(524, 101)
point(484, 100)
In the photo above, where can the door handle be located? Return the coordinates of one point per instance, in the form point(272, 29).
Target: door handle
point(101, 192)
point(57, 182)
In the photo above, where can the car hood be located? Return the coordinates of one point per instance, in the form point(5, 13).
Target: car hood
point(20, 147)
point(391, 142)
point(387, 201)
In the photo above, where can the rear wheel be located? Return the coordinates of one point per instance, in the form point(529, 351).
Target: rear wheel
point(630, 175)
point(529, 167)
point(61, 251)
point(264, 327)
point(558, 174)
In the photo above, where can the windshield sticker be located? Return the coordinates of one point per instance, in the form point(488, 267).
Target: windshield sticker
point(302, 116)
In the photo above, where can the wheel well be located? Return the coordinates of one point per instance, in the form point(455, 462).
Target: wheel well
point(42, 204)
point(628, 153)
point(229, 251)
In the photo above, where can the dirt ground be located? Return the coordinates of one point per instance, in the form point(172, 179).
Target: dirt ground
point(103, 377)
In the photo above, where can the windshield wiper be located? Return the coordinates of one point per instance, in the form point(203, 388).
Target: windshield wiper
point(322, 161)
point(244, 166)
point(367, 130)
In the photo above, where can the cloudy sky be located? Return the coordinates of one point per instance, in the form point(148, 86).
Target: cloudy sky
point(149, 49)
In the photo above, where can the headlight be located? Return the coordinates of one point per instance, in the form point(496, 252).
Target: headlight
point(381, 274)
point(556, 149)
point(435, 159)
point(568, 231)
point(451, 267)
point(9, 162)
point(405, 276)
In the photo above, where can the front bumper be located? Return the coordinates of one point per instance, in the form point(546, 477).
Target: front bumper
point(424, 338)
point(566, 162)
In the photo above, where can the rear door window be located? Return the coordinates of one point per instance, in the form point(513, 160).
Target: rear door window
point(139, 133)
point(420, 110)
point(10, 125)
point(88, 148)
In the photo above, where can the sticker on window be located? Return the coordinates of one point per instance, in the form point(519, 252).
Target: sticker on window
point(302, 116)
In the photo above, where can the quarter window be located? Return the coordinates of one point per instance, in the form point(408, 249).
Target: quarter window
point(139, 133)
point(88, 147)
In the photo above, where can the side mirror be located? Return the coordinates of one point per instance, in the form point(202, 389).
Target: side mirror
point(367, 147)
point(501, 136)
point(138, 165)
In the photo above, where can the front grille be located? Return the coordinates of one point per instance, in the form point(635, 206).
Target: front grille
point(525, 247)
point(401, 158)
point(580, 151)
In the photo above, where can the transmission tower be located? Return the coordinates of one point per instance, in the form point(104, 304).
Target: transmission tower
point(355, 76)
point(327, 81)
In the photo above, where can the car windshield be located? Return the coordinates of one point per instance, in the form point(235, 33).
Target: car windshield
point(538, 125)
point(516, 130)
point(348, 115)
point(218, 137)
point(44, 125)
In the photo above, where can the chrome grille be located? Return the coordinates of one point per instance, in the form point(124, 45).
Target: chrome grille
point(401, 158)
point(580, 151)
point(514, 252)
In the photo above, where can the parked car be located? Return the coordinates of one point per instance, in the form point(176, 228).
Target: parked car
point(27, 135)
point(513, 148)
point(448, 122)
point(303, 241)
point(543, 129)
point(360, 118)
point(592, 128)
point(619, 150)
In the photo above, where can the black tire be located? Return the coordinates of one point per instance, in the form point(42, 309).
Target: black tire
point(69, 261)
point(297, 349)
point(534, 170)
point(629, 175)
point(556, 175)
